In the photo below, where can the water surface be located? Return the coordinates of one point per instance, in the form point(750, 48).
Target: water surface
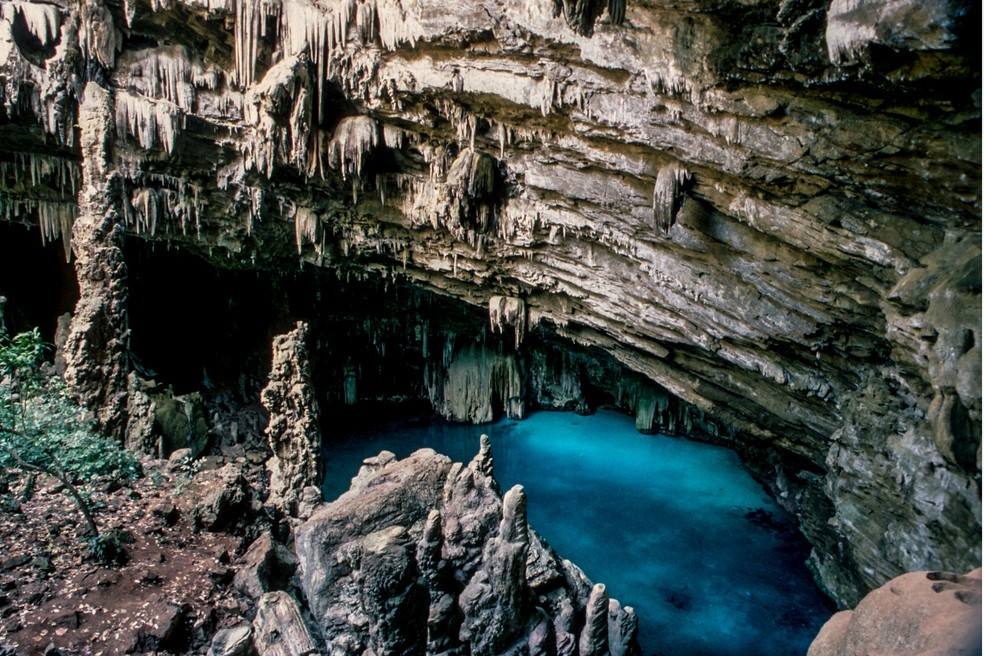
point(675, 528)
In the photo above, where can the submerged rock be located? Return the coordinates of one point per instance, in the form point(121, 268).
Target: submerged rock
point(422, 555)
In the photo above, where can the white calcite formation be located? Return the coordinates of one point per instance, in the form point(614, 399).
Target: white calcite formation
point(771, 210)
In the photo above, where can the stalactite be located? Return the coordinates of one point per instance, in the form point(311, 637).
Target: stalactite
point(147, 206)
point(668, 196)
point(508, 311)
point(581, 15)
point(616, 10)
point(353, 139)
point(166, 73)
point(56, 219)
point(250, 27)
point(150, 122)
point(153, 198)
point(284, 90)
point(31, 88)
point(307, 228)
point(97, 34)
point(43, 21)
point(58, 173)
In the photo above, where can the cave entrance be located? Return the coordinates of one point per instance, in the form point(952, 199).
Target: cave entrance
point(35, 279)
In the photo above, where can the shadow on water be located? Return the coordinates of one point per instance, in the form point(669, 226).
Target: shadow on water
point(676, 529)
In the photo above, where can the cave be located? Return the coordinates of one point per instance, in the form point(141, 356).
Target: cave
point(256, 234)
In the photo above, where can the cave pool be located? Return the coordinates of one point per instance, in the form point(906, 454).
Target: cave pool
point(675, 528)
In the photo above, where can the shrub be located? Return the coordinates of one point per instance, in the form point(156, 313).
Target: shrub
point(109, 548)
point(43, 430)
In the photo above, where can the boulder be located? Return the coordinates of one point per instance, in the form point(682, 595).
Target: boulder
point(267, 566)
point(936, 613)
point(279, 630)
point(237, 641)
point(219, 500)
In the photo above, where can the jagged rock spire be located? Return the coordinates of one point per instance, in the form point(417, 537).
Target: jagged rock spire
point(295, 429)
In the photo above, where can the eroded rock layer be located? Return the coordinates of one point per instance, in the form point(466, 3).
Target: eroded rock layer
point(771, 209)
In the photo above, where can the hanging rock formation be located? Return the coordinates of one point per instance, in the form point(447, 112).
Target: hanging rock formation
point(294, 430)
point(422, 555)
point(813, 286)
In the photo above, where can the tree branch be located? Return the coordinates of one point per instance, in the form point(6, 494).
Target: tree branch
point(59, 473)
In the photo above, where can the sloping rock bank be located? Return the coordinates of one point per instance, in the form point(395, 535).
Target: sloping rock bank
point(423, 555)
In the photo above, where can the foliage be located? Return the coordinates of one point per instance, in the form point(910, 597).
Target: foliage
point(43, 430)
point(39, 422)
point(109, 548)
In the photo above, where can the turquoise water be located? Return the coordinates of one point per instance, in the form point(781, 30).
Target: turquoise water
point(675, 528)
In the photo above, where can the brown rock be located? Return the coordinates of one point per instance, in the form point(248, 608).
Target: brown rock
point(935, 613)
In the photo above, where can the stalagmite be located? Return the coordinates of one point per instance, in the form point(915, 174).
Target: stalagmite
point(668, 196)
point(623, 629)
point(97, 344)
point(496, 600)
point(594, 635)
point(483, 460)
point(294, 431)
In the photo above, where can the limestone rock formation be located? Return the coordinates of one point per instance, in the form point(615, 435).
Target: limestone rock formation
point(475, 383)
point(916, 613)
point(811, 169)
point(159, 422)
point(237, 641)
point(422, 555)
point(95, 349)
point(294, 430)
point(267, 566)
point(279, 629)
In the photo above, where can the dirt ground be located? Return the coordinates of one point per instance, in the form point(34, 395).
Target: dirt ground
point(171, 596)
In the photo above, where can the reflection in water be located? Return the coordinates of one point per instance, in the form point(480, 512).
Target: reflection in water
point(676, 529)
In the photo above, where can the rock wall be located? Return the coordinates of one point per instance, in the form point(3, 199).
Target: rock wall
point(770, 209)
